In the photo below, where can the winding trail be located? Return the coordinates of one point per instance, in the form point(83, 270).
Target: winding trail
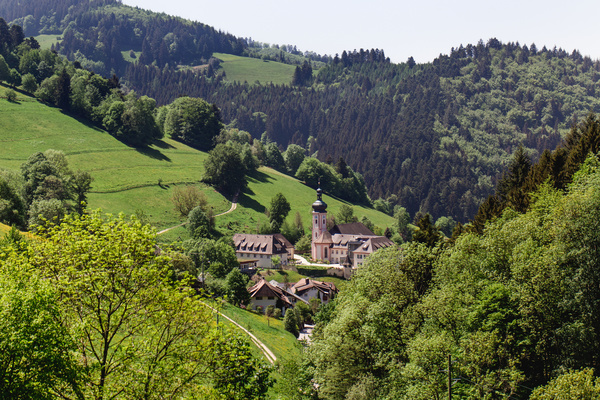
point(266, 351)
point(231, 209)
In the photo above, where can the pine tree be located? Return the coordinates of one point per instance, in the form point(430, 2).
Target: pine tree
point(63, 90)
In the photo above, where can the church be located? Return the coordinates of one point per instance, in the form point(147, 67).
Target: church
point(345, 244)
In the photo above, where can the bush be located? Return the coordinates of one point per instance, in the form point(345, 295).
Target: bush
point(259, 309)
point(290, 323)
point(11, 95)
point(277, 313)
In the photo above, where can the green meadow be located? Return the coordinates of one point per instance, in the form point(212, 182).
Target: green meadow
point(142, 181)
point(265, 183)
point(46, 41)
point(253, 69)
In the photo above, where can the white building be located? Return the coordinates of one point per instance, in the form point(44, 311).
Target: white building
point(262, 248)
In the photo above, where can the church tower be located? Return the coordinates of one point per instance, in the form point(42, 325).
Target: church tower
point(321, 239)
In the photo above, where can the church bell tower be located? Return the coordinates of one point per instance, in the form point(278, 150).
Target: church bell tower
point(319, 224)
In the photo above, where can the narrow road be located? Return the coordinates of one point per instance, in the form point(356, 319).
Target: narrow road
point(266, 351)
point(232, 208)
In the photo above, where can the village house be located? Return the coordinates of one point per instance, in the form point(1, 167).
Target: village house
point(307, 289)
point(259, 250)
point(344, 244)
point(264, 294)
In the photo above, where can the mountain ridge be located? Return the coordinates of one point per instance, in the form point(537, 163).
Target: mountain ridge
point(430, 137)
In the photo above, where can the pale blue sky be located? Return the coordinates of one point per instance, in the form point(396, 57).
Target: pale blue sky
point(419, 28)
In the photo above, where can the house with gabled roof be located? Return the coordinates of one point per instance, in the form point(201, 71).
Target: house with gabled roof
point(264, 294)
point(307, 289)
point(260, 249)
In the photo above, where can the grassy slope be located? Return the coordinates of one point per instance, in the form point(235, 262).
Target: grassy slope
point(252, 69)
point(4, 230)
point(46, 41)
point(272, 333)
point(126, 179)
point(266, 182)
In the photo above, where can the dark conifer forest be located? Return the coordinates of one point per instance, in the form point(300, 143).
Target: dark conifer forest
point(433, 138)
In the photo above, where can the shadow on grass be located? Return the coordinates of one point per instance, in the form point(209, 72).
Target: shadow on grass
point(163, 145)
point(152, 153)
point(248, 202)
point(79, 118)
point(258, 176)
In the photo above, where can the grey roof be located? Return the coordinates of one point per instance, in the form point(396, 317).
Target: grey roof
point(267, 244)
point(355, 228)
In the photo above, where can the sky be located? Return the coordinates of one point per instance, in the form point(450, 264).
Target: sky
point(423, 29)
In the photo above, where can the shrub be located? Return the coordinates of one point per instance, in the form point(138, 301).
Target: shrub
point(11, 95)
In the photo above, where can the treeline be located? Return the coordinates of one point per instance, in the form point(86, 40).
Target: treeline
point(138, 122)
point(511, 310)
point(95, 33)
point(436, 135)
point(554, 168)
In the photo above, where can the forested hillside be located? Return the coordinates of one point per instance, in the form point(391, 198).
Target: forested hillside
point(96, 32)
point(510, 310)
point(435, 135)
point(429, 137)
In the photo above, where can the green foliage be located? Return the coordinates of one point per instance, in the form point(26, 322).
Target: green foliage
point(278, 211)
point(224, 169)
point(115, 294)
point(303, 313)
point(188, 197)
point(363, 329)
point(29, 83)
point(293, 156)
point(291, 323)
point(293, 231)
point(4, 70)
point(521, 298)
point(427, 232)
point(43, 210)
point(235, 373)
point(36, 358)
point(345, 215)
point(273, 157)
point(211, 256)
point(312, 171)
point(199, 224)
point(49, 186)
point(11, 95)
point(193, 121)
point(445, 225)
point(12, 209)
point(402, 219)
point(572, 385)
point(303, 245)
point(236, 287)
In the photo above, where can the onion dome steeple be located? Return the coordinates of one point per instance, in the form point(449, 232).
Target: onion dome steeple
point(319, 206)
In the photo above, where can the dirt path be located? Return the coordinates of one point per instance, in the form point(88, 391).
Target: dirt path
point(266, 351)
point(231, 209)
